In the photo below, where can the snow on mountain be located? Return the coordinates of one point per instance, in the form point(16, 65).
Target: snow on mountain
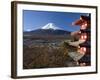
point(50, 26)
point(49, 29)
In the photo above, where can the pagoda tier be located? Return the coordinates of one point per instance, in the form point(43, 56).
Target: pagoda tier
point(85, 34)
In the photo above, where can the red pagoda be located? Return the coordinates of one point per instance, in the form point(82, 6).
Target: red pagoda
point(82, 40)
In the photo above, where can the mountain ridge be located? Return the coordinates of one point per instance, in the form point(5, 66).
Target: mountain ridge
point(49, 29)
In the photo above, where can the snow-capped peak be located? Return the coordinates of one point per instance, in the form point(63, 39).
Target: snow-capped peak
point(50, 26)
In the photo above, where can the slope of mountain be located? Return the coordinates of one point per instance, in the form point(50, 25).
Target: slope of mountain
point(48, 32)
point(48, 29)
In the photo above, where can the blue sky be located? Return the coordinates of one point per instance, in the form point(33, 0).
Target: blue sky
point(36, 19)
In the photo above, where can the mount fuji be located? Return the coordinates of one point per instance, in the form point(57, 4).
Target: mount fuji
point(50, 26)
point(49, 29)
